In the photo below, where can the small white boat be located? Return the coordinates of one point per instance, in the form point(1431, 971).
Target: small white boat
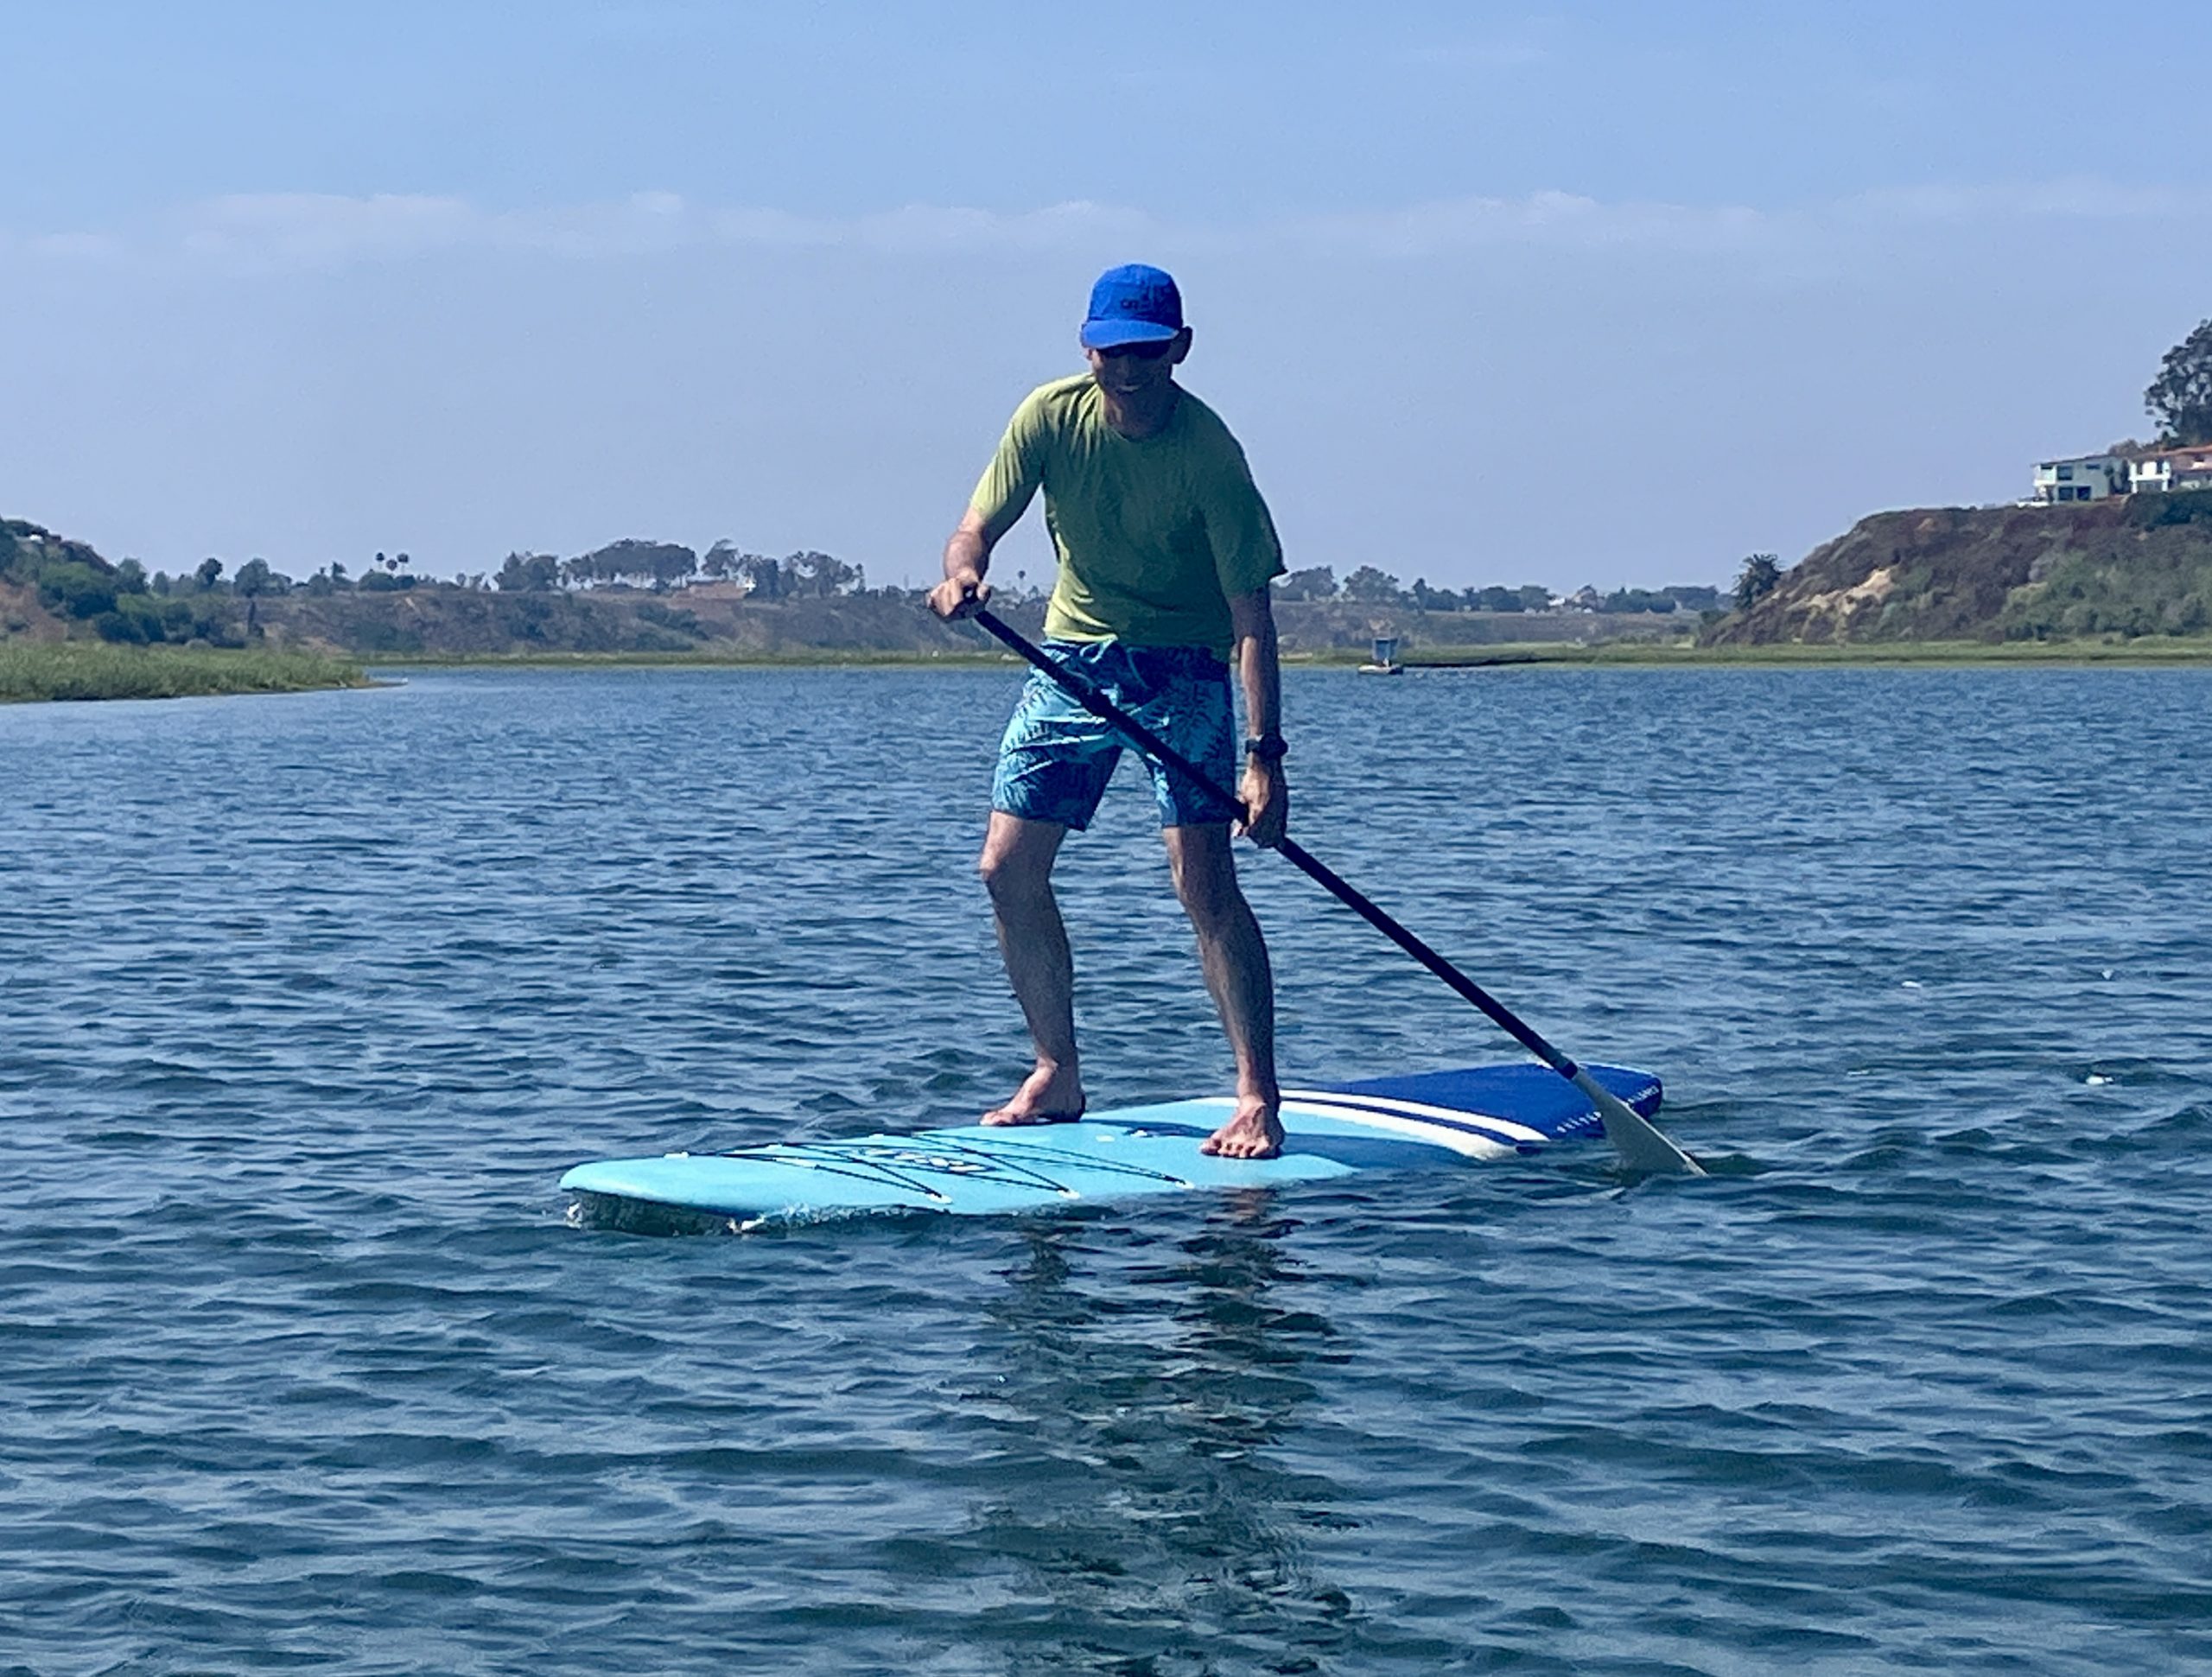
point(1386, 654)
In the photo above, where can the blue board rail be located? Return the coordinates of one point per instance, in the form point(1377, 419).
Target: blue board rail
point(1429, 1121)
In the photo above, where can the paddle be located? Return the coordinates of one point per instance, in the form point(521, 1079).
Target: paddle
point(1640, 1144)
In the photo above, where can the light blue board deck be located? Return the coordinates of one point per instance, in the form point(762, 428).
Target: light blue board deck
point(1431, 1120)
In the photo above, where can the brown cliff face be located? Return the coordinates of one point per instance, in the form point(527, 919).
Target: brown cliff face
point(1949, 573)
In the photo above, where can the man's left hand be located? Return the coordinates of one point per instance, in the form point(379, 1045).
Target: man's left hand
point(1267, 803)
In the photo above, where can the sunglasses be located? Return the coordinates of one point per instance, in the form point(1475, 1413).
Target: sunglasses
point(1149, 352)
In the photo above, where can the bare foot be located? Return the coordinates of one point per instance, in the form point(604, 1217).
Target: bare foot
point(1049, 1095)
point(1253, 1133)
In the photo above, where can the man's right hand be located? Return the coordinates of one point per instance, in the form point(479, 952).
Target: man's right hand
point(964, 593)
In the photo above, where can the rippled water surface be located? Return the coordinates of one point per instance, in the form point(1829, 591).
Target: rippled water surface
point(306, 1002)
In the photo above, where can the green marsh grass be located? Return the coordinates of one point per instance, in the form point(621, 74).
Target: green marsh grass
point(82, 669)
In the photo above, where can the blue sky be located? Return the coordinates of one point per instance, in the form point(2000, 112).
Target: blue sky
point(1608, 294)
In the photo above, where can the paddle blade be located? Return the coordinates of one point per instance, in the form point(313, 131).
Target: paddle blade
point(1635, 1137)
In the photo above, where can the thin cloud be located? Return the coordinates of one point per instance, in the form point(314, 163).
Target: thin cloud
point(1556, 219)
point(325, 229)
point(921, 229)
point(312, 230)
point(2074, 197)
point(279, 231)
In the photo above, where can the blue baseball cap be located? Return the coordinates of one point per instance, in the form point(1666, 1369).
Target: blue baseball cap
point(1132, 304)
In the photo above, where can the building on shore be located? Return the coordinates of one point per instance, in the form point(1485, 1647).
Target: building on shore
point(2165, 470)
point(2137, 472)
point(2080, 478)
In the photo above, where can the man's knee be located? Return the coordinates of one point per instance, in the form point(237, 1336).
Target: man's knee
point(1015, 872)
point(1205, 879)
point(1000, 872)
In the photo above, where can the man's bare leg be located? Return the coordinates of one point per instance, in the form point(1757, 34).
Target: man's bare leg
point(1017, 869)
point(1235, 959)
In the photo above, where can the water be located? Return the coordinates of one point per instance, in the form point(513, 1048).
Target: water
point(305, 1002)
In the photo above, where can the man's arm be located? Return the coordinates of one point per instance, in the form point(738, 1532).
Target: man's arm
point(1011, 479)
point(1265, 791)
point(967, 556)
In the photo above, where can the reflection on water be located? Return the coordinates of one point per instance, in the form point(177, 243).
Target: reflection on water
point(1160, 1534)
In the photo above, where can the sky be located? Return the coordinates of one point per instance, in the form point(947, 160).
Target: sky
point(1606, 294)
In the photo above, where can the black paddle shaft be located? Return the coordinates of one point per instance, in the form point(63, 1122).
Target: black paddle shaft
point(1326, 877)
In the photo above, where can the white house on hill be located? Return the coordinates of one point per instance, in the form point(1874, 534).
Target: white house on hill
point(2169, 469)
point(2083, 478)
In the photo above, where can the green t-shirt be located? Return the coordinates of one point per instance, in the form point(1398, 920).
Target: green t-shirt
point(1154, 533)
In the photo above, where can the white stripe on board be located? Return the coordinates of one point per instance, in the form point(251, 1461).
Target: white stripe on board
point(1422, 1109)
point(1437, 1135)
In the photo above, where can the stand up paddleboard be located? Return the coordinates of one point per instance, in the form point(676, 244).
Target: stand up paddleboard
point(1429, 1121)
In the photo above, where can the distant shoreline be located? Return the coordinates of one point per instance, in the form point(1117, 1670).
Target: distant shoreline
point(2159, 649)
point(2142, 651)
point(80, 671)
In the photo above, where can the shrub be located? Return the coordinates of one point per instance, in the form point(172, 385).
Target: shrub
point(683, 620)
point(76, 589)
point(146, 615)
point(2152, 509)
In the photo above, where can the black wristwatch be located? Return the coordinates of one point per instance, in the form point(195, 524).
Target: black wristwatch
point(1268, 747)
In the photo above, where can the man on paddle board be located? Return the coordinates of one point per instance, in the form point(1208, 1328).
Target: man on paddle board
point(1166, 551)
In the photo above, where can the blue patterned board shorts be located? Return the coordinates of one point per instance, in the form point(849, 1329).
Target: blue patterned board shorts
point(1057, 756)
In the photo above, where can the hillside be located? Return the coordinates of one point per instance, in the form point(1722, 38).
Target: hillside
point(28, 554)
point(54, 589)
point(434, 619)
point(2131, 567)
point(2134, 566)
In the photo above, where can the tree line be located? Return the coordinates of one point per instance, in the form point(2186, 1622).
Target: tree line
point(124, 602)
point(629, 563)
point(1371, 584)
point(806, 574)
